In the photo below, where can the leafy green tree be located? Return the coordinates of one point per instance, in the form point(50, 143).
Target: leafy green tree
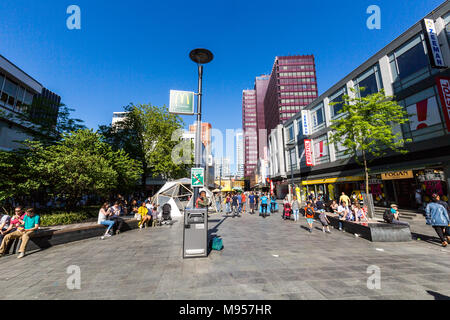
point(146, 135)
point(79, 164)
point(366, 127)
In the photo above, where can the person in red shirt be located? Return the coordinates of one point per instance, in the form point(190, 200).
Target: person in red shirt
point(16, 221)
point(243, 202)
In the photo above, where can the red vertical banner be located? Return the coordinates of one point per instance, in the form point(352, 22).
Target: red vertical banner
point(308, 153)
point(443, 85)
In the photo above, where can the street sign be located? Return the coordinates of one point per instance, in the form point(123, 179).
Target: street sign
point(181, 102)
point(198, 177)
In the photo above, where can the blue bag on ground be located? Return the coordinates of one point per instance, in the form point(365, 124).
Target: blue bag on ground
point(217, 244)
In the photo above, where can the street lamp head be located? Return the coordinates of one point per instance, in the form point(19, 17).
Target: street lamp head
point(201, 56)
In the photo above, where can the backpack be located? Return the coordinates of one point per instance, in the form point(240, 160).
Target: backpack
point(388, 216)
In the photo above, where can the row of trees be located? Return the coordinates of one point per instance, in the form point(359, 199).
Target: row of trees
point(68, 160)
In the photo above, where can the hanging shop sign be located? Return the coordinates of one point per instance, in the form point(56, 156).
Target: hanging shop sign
point(443, 85)
point(432, 41)
point(397, 175)
point(305, 123)
point(308, 153)
point(431, 175)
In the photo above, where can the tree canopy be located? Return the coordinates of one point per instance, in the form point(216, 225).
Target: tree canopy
point(365, 126)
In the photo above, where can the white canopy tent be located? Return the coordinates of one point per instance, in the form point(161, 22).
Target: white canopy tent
point(179, 195)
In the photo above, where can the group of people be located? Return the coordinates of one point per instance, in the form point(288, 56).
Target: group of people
point(237, 203)
point(20, 226)
point(145, 212)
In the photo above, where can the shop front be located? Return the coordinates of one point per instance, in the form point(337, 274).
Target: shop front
point(412, 189)
point(331, 188)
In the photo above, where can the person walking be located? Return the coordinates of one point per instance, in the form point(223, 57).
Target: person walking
point(295, 205)
point(244, 200)
point(235, 204)
point(437, 216)
point(264, 201)
point(309, 213)
point(219, 202)
point(325, 222)
point(273, 203)
point(252, 202)
point(240, 204)
point(228, 204)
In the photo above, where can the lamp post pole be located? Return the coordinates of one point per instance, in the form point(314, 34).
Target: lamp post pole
point(198, 132)
point(201, 57)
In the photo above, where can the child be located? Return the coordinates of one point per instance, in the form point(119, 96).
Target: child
point(309, 213)
point(325, 222)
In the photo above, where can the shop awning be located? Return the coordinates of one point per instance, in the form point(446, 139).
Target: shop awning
point(333, 180)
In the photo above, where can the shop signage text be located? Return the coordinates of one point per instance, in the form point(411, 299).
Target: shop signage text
point(308, 153)
point(443, 85)
point(181, 102)
point(432, 42)
point(397, 175)
point(305, 123)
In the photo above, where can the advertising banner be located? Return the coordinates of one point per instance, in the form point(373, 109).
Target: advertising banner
point(432, 41)
point(308, 153)
point(443, 85)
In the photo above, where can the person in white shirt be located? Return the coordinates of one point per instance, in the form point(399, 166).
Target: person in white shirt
point(103, 215)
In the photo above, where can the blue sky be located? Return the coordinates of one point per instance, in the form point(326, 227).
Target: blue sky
point(136, 51)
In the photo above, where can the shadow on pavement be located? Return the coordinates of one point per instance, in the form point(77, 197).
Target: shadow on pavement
point(438, 296)
point(212, 233)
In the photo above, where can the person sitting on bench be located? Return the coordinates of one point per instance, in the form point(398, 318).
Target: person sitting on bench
point(31, 223)
point(392, 216)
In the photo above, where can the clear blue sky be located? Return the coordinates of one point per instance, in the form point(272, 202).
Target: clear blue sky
point(136, 51)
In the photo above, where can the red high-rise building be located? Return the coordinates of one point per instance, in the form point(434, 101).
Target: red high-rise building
point(292, 86)
point(249, 126)
point(261, 84)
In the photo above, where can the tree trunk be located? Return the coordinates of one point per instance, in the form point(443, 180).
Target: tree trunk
point(366, 172)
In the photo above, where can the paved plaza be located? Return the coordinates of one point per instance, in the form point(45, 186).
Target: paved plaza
point(262, 259)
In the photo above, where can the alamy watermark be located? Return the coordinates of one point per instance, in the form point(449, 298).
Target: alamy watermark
point(374, 280)
point(74, 280)
point(73, 22)
point(374, 21)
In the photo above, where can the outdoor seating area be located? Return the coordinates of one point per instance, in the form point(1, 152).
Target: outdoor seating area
point(374, 231)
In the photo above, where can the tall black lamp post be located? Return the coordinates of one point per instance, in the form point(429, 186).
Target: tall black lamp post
point(201, 57)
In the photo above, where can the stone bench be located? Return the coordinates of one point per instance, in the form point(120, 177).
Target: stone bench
point(48, 237)
point(374, 231)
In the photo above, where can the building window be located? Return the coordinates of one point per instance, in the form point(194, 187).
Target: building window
point(337, 97)
point(321, 151)
point(409, 63)
point(317, 116)
point(426, 118)
point(370, 80)
point(292, 159)
point(290, 132)
point(447, 26)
